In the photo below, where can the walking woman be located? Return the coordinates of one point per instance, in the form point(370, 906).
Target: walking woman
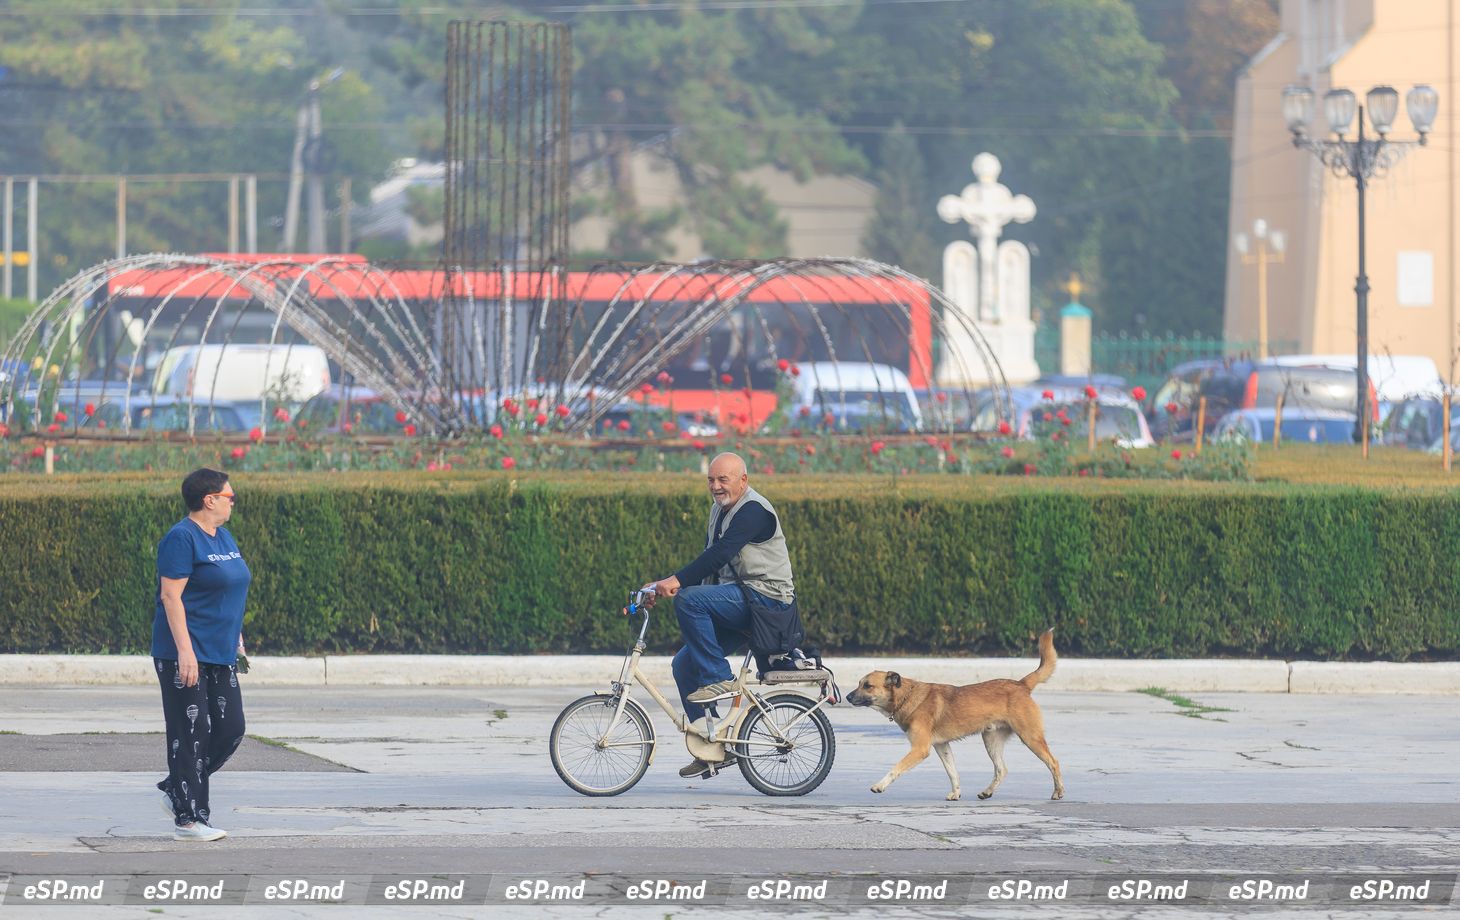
point(197, 633)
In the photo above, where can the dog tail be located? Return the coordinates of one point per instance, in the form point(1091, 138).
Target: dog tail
point(1047, 658)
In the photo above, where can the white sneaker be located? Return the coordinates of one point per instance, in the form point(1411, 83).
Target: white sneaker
point(198, 831)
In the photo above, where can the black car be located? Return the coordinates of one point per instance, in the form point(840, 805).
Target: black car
point(1416, 422)
point(1172, 410)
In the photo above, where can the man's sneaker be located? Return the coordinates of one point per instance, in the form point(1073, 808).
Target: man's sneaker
point(696, 767)
point(716, 691)
point(197, 831)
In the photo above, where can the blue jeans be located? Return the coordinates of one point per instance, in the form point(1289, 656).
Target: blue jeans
point(714, 621)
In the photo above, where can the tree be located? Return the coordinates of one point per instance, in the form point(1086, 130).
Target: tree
point(1064, 92)
point(1206, 43)
point(1078, 98)
point(697, 77)
point(1162, 250)
point(899, 232)
point(113, 90)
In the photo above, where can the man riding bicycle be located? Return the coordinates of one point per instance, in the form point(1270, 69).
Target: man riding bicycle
point(743, 537)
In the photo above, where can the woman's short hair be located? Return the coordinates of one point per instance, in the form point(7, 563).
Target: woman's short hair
point(201, 483)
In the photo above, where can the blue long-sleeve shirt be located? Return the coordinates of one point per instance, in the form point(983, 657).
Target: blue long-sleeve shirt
point(751, 524)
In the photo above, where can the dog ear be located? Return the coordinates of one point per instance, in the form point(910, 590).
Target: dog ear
point(894, 679)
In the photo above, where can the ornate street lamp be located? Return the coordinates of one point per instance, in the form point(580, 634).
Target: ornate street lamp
point(1263, 248)
point(1361, 159)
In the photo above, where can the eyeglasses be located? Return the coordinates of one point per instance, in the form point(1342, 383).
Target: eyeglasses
point(231, 496)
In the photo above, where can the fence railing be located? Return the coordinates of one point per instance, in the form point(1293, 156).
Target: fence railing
point(1146, 360)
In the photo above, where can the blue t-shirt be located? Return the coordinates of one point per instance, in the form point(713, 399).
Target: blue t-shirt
point(213, 598)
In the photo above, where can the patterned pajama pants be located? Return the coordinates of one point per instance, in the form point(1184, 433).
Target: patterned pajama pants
point(204, 728)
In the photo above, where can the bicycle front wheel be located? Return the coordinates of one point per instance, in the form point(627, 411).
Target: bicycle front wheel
point(596, 753)
point(785, 749)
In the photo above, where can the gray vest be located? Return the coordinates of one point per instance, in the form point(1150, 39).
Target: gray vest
point(766, 567)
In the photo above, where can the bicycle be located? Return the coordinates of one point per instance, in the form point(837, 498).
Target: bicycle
point(603, 743)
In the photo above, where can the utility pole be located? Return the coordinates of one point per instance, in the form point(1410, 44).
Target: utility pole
point(296, 170)
point(251, 213)
point(314, 187)
point(30, 238)
point(121, 216)
point(9, 235)
point(306, 168)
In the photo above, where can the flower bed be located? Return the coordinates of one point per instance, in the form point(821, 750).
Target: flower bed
point(788, 454)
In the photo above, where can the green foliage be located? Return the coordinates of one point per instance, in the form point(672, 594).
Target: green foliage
point(1172, 201)
point(703, 78)
point(898, 233)
point(1096, 107)
point(116, 90)
point(13, 312)
point(491, 564)
point(1070, 95)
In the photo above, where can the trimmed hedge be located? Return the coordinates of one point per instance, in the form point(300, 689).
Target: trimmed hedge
point(486, 564)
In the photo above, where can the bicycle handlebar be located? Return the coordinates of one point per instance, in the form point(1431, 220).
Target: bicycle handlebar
point(635, 605)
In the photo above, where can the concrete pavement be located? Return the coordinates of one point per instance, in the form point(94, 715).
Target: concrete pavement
point(455, 781)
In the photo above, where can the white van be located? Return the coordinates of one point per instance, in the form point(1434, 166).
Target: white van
point(223, 373)
point(856, 395)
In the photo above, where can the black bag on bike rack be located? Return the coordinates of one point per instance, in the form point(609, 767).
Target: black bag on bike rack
point(774, 634)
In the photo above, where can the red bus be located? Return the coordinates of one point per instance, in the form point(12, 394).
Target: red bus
point(725, 327)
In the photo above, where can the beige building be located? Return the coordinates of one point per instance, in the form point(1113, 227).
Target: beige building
point(825, 216)
point(1411, 210)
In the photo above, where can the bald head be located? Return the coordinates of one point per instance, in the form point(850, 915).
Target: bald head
point(728, 479)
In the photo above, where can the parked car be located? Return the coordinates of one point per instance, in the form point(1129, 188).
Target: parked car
point(365, 410)
point(1228, 385)
point(106, 398)
point(946, 407)
point(1118, 417)
point(630, 418)
point(1437, 447)
point(1394, 377)
point(858, 396)
point(1311, 426)
point(1416, 422)
point(1172, 409)
point(167, 413)
point(1099, 381)
point(290, 373)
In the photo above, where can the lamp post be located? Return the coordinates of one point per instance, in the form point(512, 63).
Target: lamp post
point(1361, 159)
point(1265, 247)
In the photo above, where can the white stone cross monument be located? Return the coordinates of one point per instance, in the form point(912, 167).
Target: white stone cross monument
point(989, 284)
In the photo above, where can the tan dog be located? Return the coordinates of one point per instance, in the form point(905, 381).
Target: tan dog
point(934, 715)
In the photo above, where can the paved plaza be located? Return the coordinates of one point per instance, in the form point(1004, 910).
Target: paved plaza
point(362, 783)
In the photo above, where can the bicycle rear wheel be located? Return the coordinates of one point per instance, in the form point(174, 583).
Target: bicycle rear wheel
point(781, 758)
point(596, 754)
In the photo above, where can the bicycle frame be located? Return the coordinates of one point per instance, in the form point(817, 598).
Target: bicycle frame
point(630, 673)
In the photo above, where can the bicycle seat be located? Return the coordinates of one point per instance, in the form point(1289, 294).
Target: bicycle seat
point(809, 676)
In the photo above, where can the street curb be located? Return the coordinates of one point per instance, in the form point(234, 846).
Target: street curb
point(1072, 674)
point(1375, 677)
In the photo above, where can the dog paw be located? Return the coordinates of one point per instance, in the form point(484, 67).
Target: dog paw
point(880, 787)
point(985, 795)
point(1058, 794)
point(954, 796)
